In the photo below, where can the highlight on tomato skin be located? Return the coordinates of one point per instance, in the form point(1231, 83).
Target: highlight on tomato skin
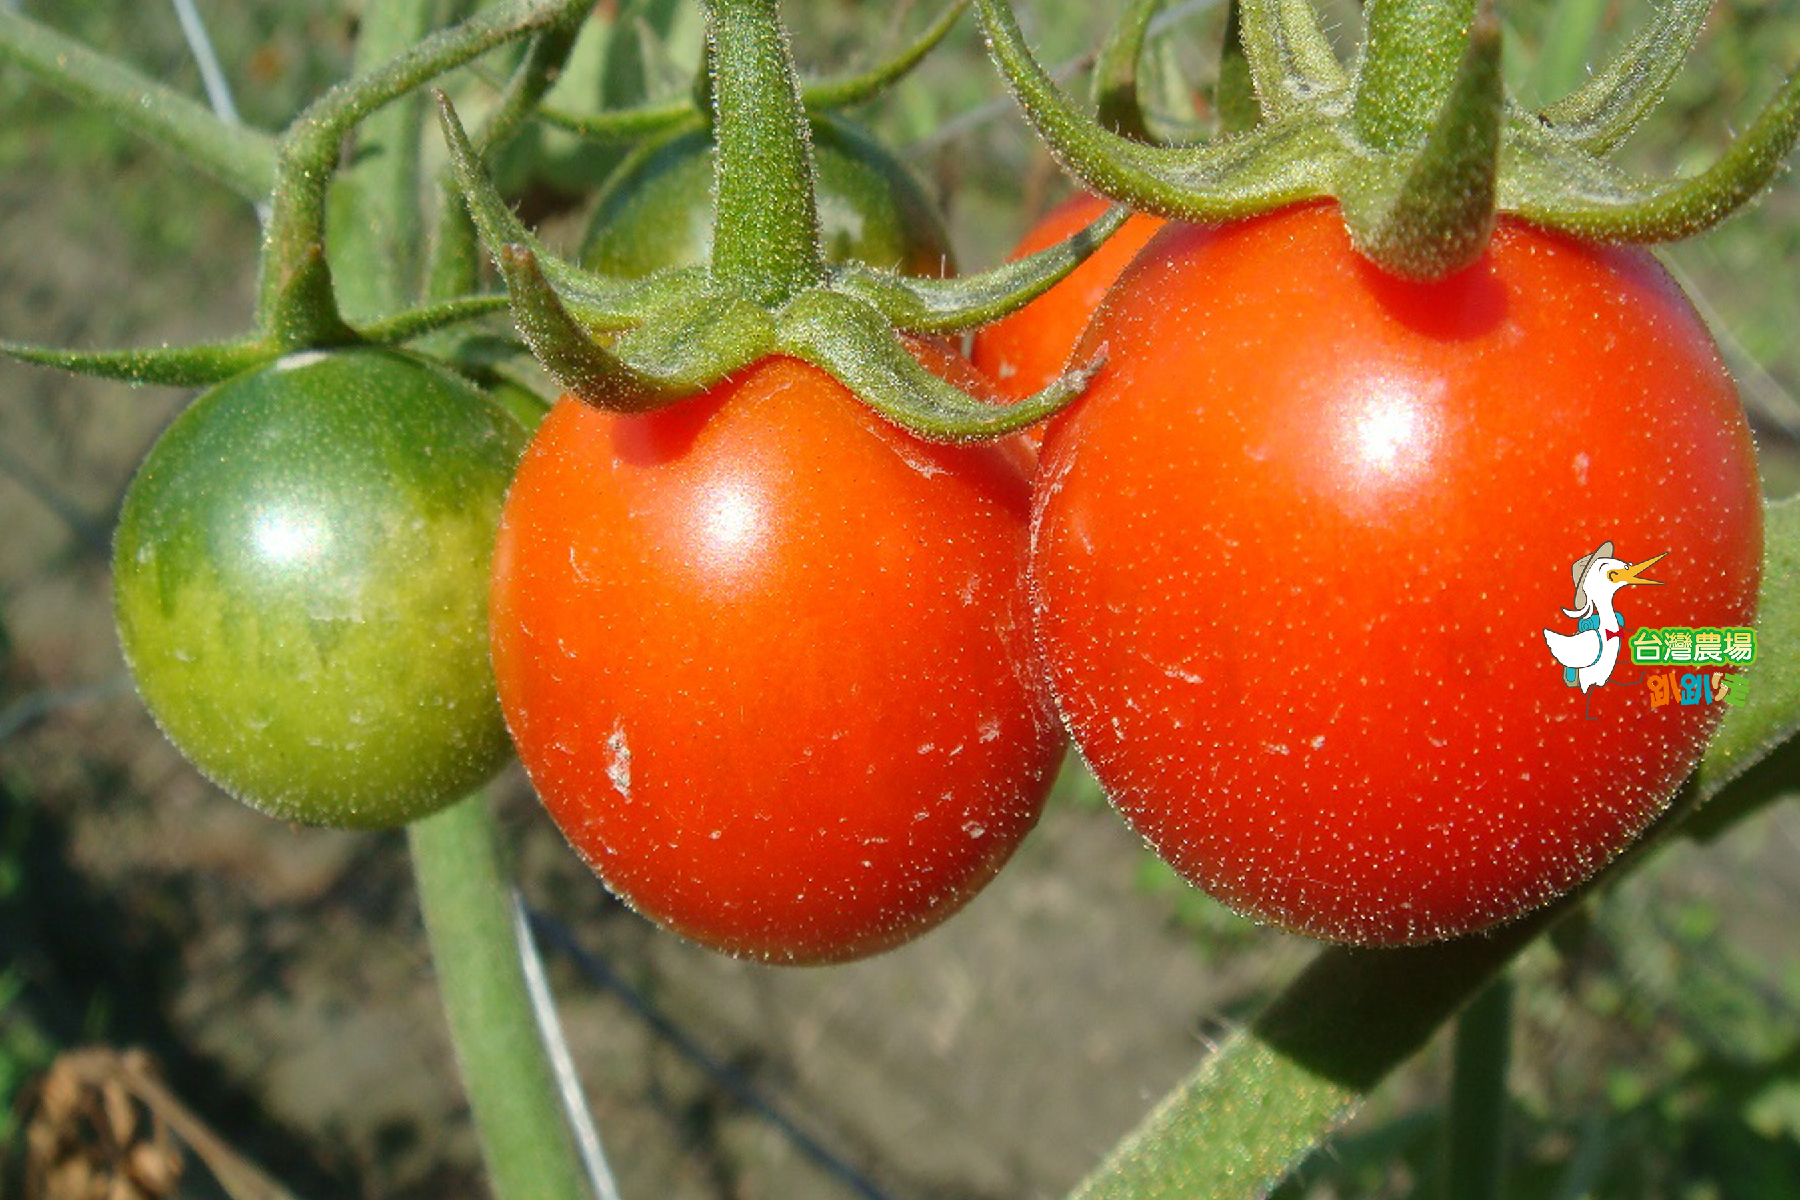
point(1297, 549)
point(767, 662)
point(1024, 351)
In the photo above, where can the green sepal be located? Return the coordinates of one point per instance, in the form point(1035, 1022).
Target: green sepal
point(689, 344)
point(1599, 116)
point(296, 302)
point(1290, 63)
point(602, 305)
point(1306, 55)
point(1234, 98)
point(1420, 144)
point(579, 363)
point(922, 305)
point(1686, 207)
point(167, 366)
point(854, 344)
point(454, 263)
point(1278, 163)
point(1439, 219)
point(429, 318)
point(866, 85)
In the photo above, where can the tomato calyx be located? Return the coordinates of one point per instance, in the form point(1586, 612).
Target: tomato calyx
point(1419, 142)
point(767, 289)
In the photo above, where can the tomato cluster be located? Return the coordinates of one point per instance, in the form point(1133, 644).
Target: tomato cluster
point(795, 682)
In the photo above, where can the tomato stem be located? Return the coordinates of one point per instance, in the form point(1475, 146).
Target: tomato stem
point(1412, 52)
point(1438, 219)
point(375, 197)
point(240, 157)
point(766, 242)
point(1234, 97)
point(525, 1136)
point(1475, 1140)
point(297, 305)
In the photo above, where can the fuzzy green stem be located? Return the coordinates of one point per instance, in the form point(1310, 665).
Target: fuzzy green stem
point(297, 306)
point(453, 265)
point(766, 244)
point(1272, 1091)
point(1439, 219)
point(1235, 96)
point(1410, 55)
point(375, 199)
point(241, 158)
point(525, 1137)
point(1476, 1129)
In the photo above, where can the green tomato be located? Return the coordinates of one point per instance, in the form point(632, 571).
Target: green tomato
point(300, 581)
point(657, 209)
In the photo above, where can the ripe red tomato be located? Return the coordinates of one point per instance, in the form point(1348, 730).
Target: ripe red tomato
point(767, 661)
point(1024, 351)
point(1295, 551)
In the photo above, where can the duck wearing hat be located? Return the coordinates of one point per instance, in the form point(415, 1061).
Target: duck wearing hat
point(1589, 654)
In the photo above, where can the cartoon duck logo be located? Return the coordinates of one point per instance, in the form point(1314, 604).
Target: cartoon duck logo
point(1589, 654)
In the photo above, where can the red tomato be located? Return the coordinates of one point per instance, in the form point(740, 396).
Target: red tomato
point(1023, 352)
point(1295, 553)
point(767, 661)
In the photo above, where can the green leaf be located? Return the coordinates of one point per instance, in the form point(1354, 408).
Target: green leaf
point(1770, 713)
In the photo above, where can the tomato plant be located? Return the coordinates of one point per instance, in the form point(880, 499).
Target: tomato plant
point(1027, 349)
point(656, 210)
point(766, 660)
point(300, 585)
point(1295, 550)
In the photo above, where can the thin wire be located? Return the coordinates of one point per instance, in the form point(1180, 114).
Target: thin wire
point(562, 1063)
point(598, 972)
point(212, 75)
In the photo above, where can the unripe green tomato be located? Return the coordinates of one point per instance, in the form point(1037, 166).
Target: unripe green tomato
point(300, 581)
point(657, 209)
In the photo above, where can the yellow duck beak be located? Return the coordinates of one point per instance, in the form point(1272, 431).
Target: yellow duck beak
point(1630, 574)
